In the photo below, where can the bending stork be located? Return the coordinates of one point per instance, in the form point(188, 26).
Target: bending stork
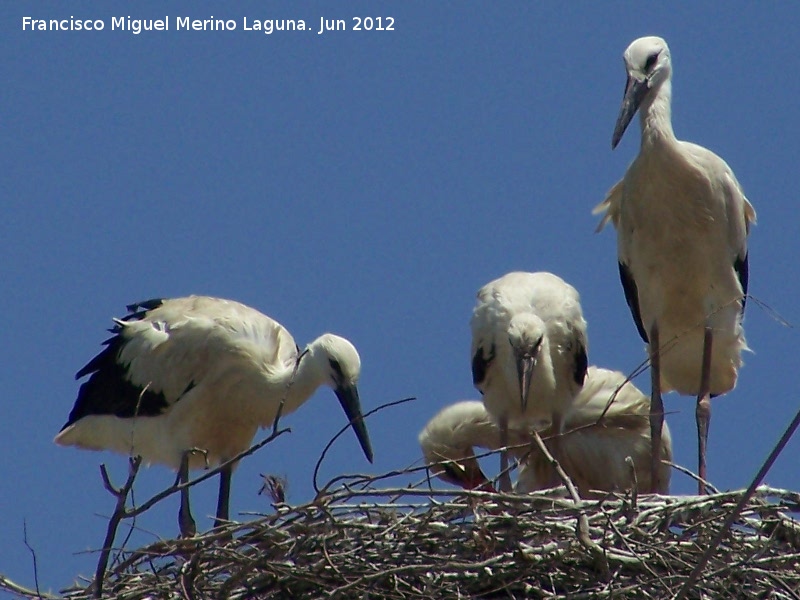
point(202, 373)
point(682, 222)
point(528, 351)
point(592, 450)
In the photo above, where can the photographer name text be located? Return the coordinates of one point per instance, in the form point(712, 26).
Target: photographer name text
point(267, 26)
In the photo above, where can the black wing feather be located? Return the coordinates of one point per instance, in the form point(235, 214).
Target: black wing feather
point(480, 364)
point(742, 268)
point(138, 310)
point(632, 298)
point(108, 390)
point(581, 364)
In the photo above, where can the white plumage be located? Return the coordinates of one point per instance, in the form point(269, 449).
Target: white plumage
point(682, 222)
point(528, 347)
point(528, 351)
point(592, 453)
point(202, 373)
point(449, 439)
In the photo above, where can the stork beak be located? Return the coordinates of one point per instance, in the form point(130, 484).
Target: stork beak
point(525, 365)
point(635, 91)
point(478, 481)
point(348, 398)
point(469, 476)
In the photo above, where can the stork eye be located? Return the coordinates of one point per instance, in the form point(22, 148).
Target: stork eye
point(651, 60)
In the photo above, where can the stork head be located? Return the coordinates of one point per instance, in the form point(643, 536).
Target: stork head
point(526, 334)
point(648, 66)
point(448, 439)
point(340, 364)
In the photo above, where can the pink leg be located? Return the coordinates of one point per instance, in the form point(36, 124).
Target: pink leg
point(505, 478)
point(703, 412)
point(656, 411)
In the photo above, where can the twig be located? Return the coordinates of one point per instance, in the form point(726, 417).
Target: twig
point(412, 544)
point(6, 583)
point(33, 555)
point(119, 514)
point(345, 428)
point(207, 475)
point(634, 481)
point(691, 474)
point(762, 472)
point(774, 314)
point(583, 522)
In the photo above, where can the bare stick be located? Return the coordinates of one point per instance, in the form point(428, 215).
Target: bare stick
point(710, 488)
point(712, 547)
point(6, 583)
point(207, 475)
point(583, 521)
point(345, 428)
point(634, 481)
point(119, 514)
point(33, 555)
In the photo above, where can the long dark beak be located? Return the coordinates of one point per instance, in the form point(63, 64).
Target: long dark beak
point(635, 91)
point(348, 398)
point(525, 364)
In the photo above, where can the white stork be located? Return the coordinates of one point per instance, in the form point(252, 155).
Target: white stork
point(528, 350)
point(592, 450)
point(450, 437)
point(682, 222)
point(199, 373)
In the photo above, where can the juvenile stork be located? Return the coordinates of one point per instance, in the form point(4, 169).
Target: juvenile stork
point(202, 374)
point(449, 440)
point(592, 449)
point(528, 351)
point(682, 222)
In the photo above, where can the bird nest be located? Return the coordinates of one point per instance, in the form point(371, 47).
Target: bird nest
point(361, 541)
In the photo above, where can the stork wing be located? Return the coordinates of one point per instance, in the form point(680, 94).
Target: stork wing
point(632, 298)
point(164, 348)
point(480, 364)
point(741, 215)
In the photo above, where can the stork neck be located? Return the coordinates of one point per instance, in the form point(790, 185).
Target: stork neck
point(307, 379)
point(480, 431)
point(655, 116)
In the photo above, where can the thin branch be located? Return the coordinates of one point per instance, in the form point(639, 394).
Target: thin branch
point(691, 474)
point(6, 583)
point(207, 475)
point(583, 522)
point(33, 556)
point(762, 472)
point(113, 523)
point(345, 428)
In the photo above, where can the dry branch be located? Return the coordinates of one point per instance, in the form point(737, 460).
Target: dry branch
point(400, 543)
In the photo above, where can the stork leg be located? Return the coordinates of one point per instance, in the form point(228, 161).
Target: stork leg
point(185, 519)
point(223, 502)
point(505, 478)
point(656, 410)
point(703, 412)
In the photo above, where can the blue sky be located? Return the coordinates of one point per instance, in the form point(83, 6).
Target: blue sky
point(365, 183)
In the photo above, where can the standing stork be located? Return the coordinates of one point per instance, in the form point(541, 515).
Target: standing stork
point(682, 222)
point(606, 423)
point(528, 351)
point(202, 374)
